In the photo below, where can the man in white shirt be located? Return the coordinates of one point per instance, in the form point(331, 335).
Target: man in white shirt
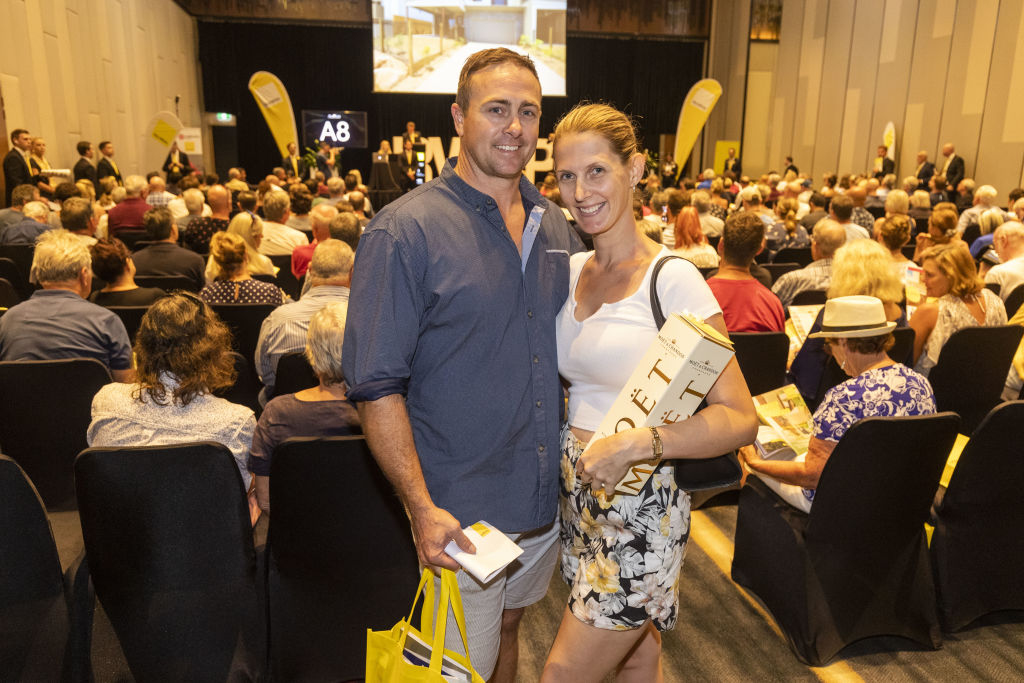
point(1009, 244)
point(278, 238)
point(841, 209)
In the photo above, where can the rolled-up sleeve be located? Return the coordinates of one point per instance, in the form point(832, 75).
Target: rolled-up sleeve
point(384, 315)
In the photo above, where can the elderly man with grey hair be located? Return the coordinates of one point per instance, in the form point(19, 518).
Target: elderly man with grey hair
point(710, 225)
point(195, 205)
point(985, 197)
point(284, 330)
point(36, 221)
point(56, 321)
point(128, 214)
point(319, 222)
point(1009, 244)
point(827, 237)
point(278, 238)
point(78, 218)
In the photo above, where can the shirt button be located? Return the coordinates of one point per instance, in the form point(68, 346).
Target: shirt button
point(536, 359)
point(529, 314)
point(540, 403)
point(541, 449)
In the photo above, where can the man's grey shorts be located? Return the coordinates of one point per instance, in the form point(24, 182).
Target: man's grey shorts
point(523, 583)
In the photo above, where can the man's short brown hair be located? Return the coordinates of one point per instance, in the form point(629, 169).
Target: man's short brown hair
point(742, 238)
point(485, 59)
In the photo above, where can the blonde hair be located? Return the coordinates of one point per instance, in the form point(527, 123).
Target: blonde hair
point(324, 341)
point(991, 219)
point(606, 121)
point(249, 227)
point(228, 252)
point(895, 231)
point(786, 209)
point(955, 262)
point(865, 267)
point(897, 202)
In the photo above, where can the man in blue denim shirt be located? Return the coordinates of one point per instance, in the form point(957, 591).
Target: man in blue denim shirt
point(450, 350)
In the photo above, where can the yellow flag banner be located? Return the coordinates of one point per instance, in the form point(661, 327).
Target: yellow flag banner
point(161, 131)
point(273, 101)
point(696, 108)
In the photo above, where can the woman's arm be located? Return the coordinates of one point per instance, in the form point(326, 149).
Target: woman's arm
point(923, 322)
point(805, 474)
point(727, 423)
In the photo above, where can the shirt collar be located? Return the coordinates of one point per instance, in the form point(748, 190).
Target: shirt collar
point(475, 197)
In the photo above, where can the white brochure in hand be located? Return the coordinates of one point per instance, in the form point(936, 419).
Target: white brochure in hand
point(494, 551)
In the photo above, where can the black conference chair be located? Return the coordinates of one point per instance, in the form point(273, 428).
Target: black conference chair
point(801, 255)
point(810, 297)
point(168, 283)
point(44, 418)
point(971, 372)
point(762, 359)
point(1013, 301)
point(908, 250)
point(902, 352)
point(293, 374)
point(779, 269)
point(265, 277)
point(246, 389)
point(8, 294)
point(977, 549)
point(321, 598)
point(857, 565)
point(876, 211)
point(170, 552)
point(131, 316)
point(33, 610)
point(133, 239)
point(971, 233)
point(20, 255)
point(245, 321)
point(285, 278)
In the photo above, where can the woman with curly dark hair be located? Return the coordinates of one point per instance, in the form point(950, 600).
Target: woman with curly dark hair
point(182, 352)
point(112, 263)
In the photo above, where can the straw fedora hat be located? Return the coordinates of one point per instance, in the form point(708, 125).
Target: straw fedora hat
point(854, 316)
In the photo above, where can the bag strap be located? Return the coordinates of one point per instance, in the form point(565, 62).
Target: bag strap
point(434, 621)
point(659, 316)
point(440, 622)
point(456, 600)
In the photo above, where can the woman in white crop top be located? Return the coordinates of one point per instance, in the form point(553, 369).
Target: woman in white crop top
point(621, 554)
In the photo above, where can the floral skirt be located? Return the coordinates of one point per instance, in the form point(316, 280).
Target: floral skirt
point(621, 556)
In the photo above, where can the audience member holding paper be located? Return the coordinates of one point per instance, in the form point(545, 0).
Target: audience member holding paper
point(858, 333)
point(622, 554)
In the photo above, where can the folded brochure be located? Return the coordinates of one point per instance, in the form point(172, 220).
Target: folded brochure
point(494, 551)
point(418, 652)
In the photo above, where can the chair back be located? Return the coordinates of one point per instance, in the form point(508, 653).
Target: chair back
point(800, 255)
point(977, 549)
point(246, 389)
point(321, 599)
point(1013, 301)
point(169, 545)
point(265, 277)
point(810, 297)
point(971, 233)
point(20, 255)
point(294, 373)
point(33, 611)
point(971, 372)
point(168, 283)
point(131, 316)
point(776, 270)
point(897, 462)
point(245, 321)
point(285, 277)
point(876, 211)
point(762, 359)
point(132, 238)
point(40, 394)
point(8, 294)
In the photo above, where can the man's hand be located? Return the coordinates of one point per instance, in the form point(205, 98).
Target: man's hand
point(432, 529)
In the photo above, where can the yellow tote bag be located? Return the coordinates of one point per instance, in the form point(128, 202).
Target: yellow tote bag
point(388, 653)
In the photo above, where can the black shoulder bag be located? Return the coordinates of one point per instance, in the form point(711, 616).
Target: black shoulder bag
point(707, 473)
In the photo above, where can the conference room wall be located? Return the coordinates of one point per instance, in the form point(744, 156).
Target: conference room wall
point(328, 67)
point(96, 70)
point(941, 70)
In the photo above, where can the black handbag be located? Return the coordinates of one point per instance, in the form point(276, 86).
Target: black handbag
point(707, 473)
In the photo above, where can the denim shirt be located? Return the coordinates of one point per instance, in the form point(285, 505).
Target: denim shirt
point(445, 311)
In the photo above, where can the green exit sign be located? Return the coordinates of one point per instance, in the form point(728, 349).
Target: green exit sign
point(225, 117)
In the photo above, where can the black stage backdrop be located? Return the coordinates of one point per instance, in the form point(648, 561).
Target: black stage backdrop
point(330, 68)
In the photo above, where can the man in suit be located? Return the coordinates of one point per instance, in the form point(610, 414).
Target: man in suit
point(883, 164)
point(925, 168)
point(407, 165)
point(176, 164)
point(17, 170)
point(954, 168)
point(293, 164)
point(732, 163)
point(790, 166)
point(412, 135)
point(107, 165)
point(84, 170)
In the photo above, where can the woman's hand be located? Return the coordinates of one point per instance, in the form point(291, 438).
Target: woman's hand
point(605, 462)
